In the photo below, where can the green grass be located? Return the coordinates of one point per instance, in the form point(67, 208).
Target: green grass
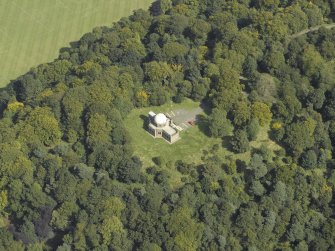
point(33, 31)
point(189, 148)
point(262, 139)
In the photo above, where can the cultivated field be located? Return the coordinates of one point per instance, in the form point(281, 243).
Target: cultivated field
point(33, 31)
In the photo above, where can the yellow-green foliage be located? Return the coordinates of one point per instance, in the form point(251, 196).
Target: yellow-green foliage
point(46, 93)
point(60, 217)
point(113, 206)
point(276, 126)
point(111, 226)
point(14, 106)
point(262, 112)
point(142, 97)
point(89, 67)
point(156, 71)
point(40, 126)
point(3, 200)
point(98, 129)
point(186, 231)
point(310, 124)
point(100, 93)
point(14, 162)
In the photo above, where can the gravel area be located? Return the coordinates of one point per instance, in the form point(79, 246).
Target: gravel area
point(182, 116)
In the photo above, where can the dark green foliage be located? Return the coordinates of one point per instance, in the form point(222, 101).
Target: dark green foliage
point(240, 142)
point(309, 159)
point(69, 179)
point(219, 124)
point(253, 129)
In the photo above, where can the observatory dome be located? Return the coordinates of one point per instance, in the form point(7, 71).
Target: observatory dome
point(160, 119)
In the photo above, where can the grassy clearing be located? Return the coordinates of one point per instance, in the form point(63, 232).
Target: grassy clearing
point(189, 148)
point(33, 31)
point(262, 139)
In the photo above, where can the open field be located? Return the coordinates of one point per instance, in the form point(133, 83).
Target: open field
point(33, 31)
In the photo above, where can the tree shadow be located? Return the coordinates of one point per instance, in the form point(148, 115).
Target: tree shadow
point(205, 107)
point(145, 120)
point(65, 49)
point(241, 167)
point(203, 124)
point(155, 9)
point(226, 143)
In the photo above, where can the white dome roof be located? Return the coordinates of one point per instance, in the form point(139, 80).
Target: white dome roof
point(160, 119)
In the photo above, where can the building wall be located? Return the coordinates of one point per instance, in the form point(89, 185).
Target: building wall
point(160, 133)
point(152, 131)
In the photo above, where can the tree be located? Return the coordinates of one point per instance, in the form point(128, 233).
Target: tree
point(98, 130)
point(329, 110)
point(160, 7)
point(257, 166)
point(241, 113)
point(172, 50)
point(28, 87)
point(279, 195)
point(110, 228)
point(41, 125)
point(311, 61)
point(130, 170)
point(198, 31)
point(7, 241)
point(165, 5)
point(262, 112)
point(299, 136)
point(3, 201)
point(225, 26)
point(219, 125)
point(187, 232)
point(253, 129)
point(309, 159)
point(157, 71)
point(317, 98)
point(256, 188)
point(240, 142)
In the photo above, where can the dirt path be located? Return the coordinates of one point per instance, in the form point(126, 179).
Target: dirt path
point(315, 28)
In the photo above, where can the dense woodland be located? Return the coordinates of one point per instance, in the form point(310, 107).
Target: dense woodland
point(69, 179)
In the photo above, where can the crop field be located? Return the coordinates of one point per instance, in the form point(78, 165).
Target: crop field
point(33, 31)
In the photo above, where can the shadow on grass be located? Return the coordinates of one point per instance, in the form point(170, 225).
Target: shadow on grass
point(203, 124)
point(145, 120)
point(226, 143)
point(206, 107)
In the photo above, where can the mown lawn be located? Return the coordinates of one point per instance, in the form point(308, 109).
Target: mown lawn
point(188, 148)
point(33, 31)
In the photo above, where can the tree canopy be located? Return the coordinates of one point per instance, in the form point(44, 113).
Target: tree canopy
point(69, 178)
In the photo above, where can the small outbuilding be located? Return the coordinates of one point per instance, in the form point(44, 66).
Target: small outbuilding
point(161, 126)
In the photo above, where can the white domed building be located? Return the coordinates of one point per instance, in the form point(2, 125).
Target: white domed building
point(161, 126)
